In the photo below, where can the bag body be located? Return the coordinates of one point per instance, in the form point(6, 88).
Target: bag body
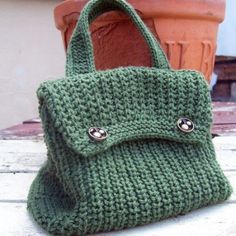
point(127, 146)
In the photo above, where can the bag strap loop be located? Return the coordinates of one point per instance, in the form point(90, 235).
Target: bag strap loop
point(80, 58)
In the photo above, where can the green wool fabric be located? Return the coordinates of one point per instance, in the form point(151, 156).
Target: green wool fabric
point(147, 169)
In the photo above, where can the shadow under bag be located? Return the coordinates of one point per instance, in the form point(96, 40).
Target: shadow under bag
point(126, 146)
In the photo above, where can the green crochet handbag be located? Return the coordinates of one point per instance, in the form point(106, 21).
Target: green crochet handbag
point(126, 146)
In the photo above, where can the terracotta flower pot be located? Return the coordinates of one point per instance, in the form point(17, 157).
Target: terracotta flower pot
point(187, 30)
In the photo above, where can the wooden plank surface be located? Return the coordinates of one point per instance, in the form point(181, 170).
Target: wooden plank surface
point(224, 114)
point(21, 159)
point(16, 221)
point(21, 155)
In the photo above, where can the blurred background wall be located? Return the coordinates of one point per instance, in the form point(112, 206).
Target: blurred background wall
point(31, 51)
point(224, 76)
point(227, 31)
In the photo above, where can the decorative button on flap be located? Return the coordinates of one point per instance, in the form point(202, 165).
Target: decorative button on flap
point(97, 134)
point(185, 125)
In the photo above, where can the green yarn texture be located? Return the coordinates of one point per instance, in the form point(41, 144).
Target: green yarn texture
point(147, 169)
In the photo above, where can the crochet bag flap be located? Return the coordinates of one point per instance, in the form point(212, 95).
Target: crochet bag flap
point(127, 146)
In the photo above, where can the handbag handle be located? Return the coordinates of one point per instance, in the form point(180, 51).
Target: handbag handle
point(80, 58)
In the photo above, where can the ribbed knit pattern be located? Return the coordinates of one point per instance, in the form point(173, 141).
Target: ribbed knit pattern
point(146, 170)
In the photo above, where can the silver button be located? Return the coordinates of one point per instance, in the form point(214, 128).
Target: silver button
point(185, 124)
point(97, 134)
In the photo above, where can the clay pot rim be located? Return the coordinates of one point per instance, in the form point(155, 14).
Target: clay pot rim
point(211, 10)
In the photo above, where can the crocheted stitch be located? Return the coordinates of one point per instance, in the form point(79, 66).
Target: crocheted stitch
point(146, 169)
